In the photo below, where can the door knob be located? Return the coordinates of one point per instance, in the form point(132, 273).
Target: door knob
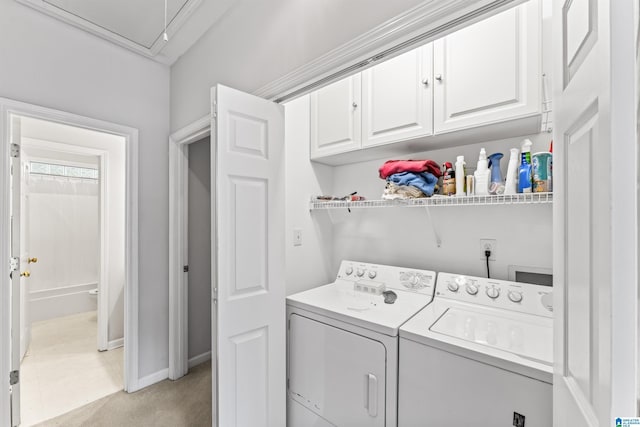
point(355, 105)
point(25, 274)
point(439, 77)
point(425, 82)
point(30, 260)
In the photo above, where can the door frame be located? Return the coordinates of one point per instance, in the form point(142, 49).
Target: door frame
point(179, 242)
point(9, 107)
point(105, 242)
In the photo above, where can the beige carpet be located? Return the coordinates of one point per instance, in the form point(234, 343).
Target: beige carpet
point(185, 402)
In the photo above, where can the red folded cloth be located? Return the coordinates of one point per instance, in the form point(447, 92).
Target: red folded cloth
point(396, 166)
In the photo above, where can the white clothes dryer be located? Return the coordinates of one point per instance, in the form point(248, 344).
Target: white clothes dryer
point(481, 354)
point(343, 345)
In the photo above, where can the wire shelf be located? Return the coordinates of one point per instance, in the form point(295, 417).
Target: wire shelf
point(501, 199)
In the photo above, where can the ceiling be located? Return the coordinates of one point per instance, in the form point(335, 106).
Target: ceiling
point(138, 25)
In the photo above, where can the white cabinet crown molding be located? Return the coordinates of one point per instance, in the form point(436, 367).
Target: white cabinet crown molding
point(426, 22)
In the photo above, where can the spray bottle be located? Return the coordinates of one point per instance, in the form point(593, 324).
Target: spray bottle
point(482, 174)
point(511, 187)
point(524, 173)
point(460, 173)
point(497, 185)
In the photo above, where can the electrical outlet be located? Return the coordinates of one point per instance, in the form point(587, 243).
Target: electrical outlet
point(488, 245)
point(297, 237)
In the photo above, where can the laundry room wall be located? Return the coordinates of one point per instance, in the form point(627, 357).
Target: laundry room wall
point(402, 236)
point(199, 250)
point(255, 43)
point(59, 66)
point(405, 236)
point(310, 264)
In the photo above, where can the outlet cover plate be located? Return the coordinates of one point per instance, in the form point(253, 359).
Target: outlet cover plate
point(489, 244)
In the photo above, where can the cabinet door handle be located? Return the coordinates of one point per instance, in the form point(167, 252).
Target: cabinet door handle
point(425, 82)
point(355, 105)
point(371, 395)
point(439, 77)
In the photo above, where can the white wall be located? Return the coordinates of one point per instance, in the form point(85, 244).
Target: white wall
point(401, 236)
point(405, 236)
point(309, 265)
point(199, 250)
point(256, 42)
point(62, 219)
point(49, 63)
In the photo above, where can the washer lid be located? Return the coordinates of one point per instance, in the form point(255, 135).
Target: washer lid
point(527, 336)
point(341, 301)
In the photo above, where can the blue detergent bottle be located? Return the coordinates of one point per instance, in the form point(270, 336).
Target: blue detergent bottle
point(524, 172)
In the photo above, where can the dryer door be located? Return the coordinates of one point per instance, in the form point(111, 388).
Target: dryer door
point(337, 375)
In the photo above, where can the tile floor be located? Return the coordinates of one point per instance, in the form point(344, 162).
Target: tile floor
point(62, 369)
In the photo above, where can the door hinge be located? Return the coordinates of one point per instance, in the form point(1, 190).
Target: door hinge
point(14, 264)
point(185, 268)
point(214, 110)
point(14, 377)
point(15, 150)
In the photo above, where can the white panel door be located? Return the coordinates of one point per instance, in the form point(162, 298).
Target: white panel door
point(595, 213)
point(336, 118)
point(396, 98)
point(14, 129)
point(249, 289)
point(488, 72)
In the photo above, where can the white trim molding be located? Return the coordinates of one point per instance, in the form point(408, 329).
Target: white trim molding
point(151, 379)
point(199, 359)
point(79, 22)
point(178, 241)
point(8, 108)
point(429, 20)
point(113, 344)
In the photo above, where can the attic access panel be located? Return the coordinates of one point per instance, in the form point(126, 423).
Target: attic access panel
point(140, 21)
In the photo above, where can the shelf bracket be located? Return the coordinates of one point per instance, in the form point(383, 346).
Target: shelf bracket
point(433, 226)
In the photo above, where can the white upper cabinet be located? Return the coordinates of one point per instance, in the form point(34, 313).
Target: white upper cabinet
point(396, 98)
point(488, 72)
point(336, 117)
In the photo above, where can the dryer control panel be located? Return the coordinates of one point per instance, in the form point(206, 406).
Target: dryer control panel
point(378, 277)
point(515, 296)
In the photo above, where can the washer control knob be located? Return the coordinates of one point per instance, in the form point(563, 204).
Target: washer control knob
point(349, 271)
point(472, 289)
point(515, 296)
point(453, 286)
point(493, 292)
point(360, 272)
point(372, 274)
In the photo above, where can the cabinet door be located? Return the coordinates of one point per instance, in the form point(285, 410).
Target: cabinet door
point(396, 98)
point(489, 71)
point(337, 375)
point(335, 118)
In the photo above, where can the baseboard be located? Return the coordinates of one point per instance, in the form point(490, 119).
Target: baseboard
point(201, 358)
point(112, 345)
point(62, 301)
point(151, 379)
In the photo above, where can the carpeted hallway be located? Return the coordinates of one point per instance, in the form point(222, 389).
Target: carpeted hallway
point(185, 402)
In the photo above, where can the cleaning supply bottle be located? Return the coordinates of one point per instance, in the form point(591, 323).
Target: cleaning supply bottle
point(511, 187)
point(449, 180)
point(497, 185)
point(460, 182)
point(524, 173)
point(482, 174)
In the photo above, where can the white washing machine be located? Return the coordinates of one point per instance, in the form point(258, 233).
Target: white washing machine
point(343, 345)
point(479, 355)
